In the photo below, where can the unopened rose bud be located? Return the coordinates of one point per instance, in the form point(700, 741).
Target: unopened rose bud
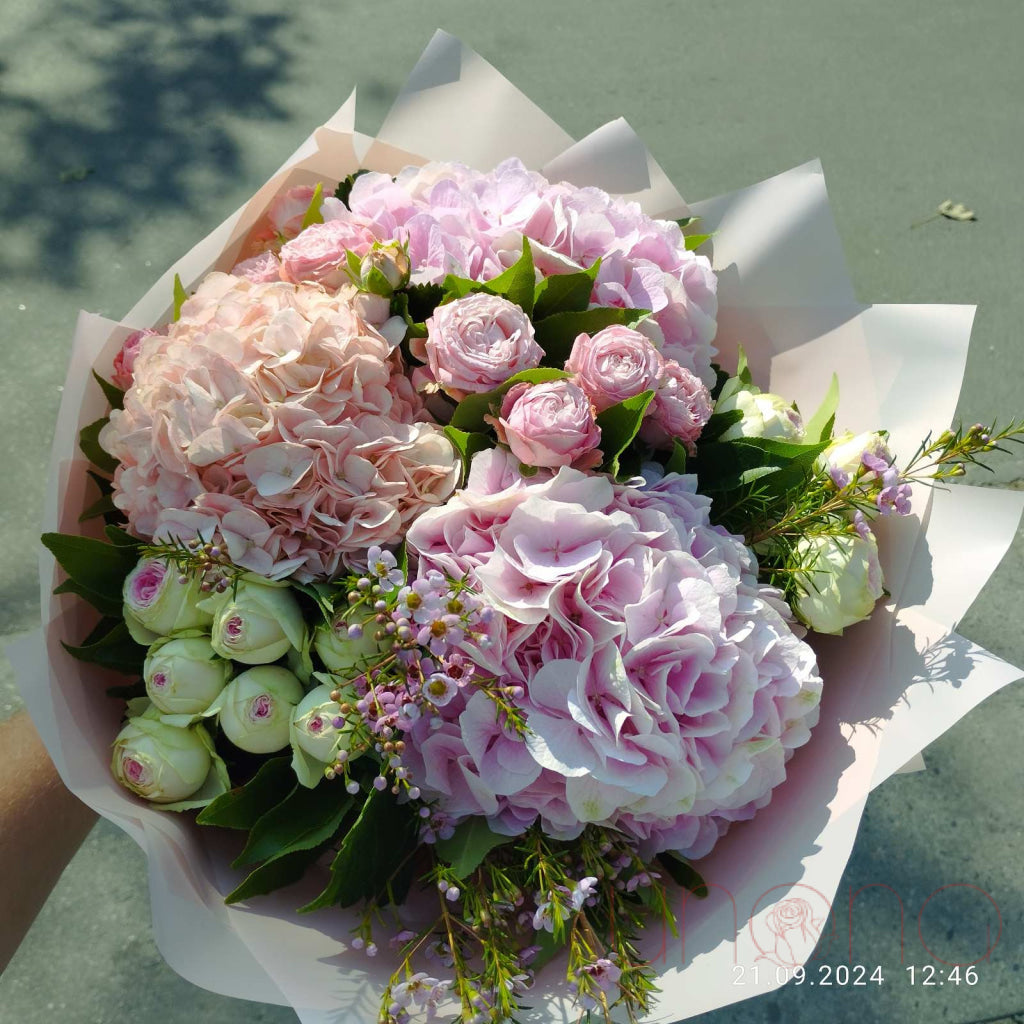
point(764, 415)
point(257, 623)
point(157, 600)
point(344, 653)
point(314, 730)
point(160, 762)
point(184, 675)
point(256, 708)
point(843, 582)
point(384, 269)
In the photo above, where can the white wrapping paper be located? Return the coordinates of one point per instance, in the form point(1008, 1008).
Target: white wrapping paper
point(892, 685)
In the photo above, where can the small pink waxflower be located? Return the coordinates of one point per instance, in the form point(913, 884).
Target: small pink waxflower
point(550, 425)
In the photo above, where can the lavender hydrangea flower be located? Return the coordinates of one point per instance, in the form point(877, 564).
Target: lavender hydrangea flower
point(663, 689)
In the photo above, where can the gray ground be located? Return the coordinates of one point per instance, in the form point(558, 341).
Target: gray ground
point(173, 113)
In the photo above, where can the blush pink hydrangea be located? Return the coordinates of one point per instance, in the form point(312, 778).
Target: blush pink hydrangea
point(456, 220)
point(664, 689)
point(275, 416)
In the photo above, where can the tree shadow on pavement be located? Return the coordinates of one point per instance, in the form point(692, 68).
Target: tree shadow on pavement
point(167, 81)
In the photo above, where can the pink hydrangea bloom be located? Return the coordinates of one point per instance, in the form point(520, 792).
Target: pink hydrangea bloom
point(665, 689)
point(460, 221)
point(274, 414)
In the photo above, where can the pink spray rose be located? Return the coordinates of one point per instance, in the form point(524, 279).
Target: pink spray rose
point(263, 267)
point(549, 425)
point(317, 255)
point(476, 343)
point(124, 361)
point(615, 364)
point(681, 407)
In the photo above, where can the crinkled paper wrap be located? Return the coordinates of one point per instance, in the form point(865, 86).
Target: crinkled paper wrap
point(892, 685)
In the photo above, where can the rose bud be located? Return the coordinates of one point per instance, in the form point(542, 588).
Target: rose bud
point(764, 415)
point(256, 623)
point(256, 708)
point(341, 653)
point(550, 425)
point(842, 582)
point(476, 343)
point(157, 604)
point(843, 459)
point(615, 364)
point(184, 675)
point(384, 269)
point(160, 762)
point(680, 409)
point(314, 738)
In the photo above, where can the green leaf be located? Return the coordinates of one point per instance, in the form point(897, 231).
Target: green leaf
point(775, 465)
point(313, 214)
point(344, 189)
point(685, 222)
point(517, 283)
point(820, 425)
point(467, 444)
point(94, 565)
point(107, 606)
point(285, 870)
point(373, 850)
point(719, 423)
point(556, 333)
point(619, 425)
point(469, 413)
point(400, 307)
point(565, 293)
point(115, 396)
point(423, 299)
point(115, 649)
point(121, 538)
point(102, 506)
point(465, 851)
point(683, 873)
point(743, 373)
point(696, 241)
point(304, 819)
point(323, 594)
point(180, 296)
point(677, 460)
point(89, 442)
point(243, 806)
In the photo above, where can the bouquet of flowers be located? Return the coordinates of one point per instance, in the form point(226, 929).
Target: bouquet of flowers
point(445, 557)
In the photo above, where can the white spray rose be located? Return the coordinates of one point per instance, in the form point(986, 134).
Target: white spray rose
point(160, 762)
point(184, 675)
point(157, 604)
point(315, 739)
point(256, 708)
point(843, 584)
point(764, 415)
point(256, 623)
point(843, 457)
point(342, 654)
